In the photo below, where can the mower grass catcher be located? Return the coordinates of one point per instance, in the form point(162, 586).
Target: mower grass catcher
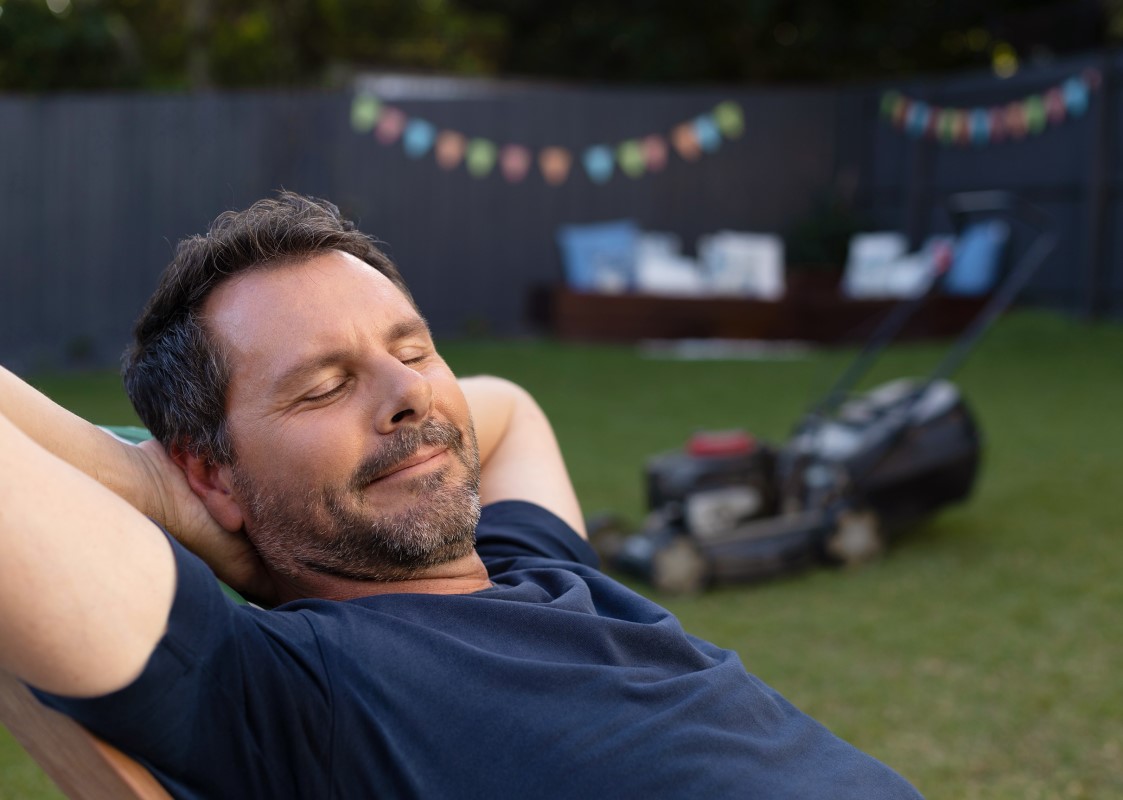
point(857, 471)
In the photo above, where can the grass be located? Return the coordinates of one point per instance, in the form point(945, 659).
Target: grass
point(981, 656)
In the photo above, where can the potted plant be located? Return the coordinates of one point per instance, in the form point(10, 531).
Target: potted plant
point(816, 247)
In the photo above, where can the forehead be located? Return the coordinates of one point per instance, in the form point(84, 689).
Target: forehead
point(270, 316)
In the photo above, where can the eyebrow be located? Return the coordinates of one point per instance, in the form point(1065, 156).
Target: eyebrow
point(408, 328)
point(397, 332)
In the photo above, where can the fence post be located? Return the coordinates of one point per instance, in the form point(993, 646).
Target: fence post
point(1097, 277)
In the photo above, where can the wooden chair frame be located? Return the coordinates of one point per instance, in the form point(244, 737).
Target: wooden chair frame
point(80, 764)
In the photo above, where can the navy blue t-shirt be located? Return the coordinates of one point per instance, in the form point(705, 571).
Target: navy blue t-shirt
point(557, 682)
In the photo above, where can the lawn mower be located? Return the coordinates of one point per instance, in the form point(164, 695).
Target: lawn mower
point(857, 471)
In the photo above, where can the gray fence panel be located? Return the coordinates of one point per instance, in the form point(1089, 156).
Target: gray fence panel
point(1071, 170)
point(96, 189)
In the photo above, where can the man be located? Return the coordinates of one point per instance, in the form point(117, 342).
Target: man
point(317, 452)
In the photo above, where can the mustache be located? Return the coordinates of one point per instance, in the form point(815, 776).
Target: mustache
point(404, 444)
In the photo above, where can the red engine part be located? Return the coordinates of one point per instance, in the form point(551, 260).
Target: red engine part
point(720, 443)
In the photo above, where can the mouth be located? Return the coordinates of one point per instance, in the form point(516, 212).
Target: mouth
point(419, 463)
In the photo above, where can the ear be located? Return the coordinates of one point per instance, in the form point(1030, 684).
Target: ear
point(213, 484)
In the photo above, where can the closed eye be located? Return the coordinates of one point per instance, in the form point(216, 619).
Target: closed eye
point(413, 353)
point(328, 395)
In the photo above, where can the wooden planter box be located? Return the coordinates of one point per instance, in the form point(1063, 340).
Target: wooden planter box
point(812, 316)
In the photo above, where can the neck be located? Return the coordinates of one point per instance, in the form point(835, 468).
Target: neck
point(462, 576)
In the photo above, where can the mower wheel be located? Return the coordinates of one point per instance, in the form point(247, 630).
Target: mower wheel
point(858, 537)
point(679, 567)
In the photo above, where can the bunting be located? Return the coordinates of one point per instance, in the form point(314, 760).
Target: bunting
point(1027, 116)
point(600, 162)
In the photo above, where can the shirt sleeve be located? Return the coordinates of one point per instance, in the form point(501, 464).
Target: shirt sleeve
point(514, 528)
point(221, 688)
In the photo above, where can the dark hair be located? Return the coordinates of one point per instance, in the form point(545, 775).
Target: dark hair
point(176, 373)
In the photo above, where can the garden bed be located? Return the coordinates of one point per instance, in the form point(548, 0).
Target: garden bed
point(805, 315)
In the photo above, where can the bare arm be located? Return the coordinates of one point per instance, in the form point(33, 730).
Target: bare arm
point(519, 454)
point(86, 582)
point(143, 476)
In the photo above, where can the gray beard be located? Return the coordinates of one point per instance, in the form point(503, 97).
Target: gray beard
point(338, 531)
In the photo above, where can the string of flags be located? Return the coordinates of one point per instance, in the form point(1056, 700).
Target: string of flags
point(635, 158)
point(982, 126)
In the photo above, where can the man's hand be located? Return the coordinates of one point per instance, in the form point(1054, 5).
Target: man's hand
point(183, 514)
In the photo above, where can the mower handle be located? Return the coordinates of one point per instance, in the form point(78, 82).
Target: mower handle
point(963, 205)
point(1033, 257)
point(972, 203)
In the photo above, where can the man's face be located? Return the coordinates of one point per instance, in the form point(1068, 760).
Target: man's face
point(355, 454)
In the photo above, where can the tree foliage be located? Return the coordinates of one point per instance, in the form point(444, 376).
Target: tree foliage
point(84, 44)
point(782, 40)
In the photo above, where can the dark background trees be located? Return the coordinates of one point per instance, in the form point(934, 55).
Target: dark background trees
point(179, 44)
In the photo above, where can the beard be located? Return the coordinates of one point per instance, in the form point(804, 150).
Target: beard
point(341, 531)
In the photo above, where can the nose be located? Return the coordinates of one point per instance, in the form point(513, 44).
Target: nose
point(405, 398)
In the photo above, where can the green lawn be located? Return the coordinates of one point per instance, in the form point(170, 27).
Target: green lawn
point(980, 657)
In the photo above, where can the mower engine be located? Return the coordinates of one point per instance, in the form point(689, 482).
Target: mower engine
point(717, 481)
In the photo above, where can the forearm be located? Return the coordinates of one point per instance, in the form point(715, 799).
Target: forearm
point(115, 465)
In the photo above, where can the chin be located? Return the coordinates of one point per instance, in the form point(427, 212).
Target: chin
point(435, 527)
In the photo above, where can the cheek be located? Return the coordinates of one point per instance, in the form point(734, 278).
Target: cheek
point(309, 451)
